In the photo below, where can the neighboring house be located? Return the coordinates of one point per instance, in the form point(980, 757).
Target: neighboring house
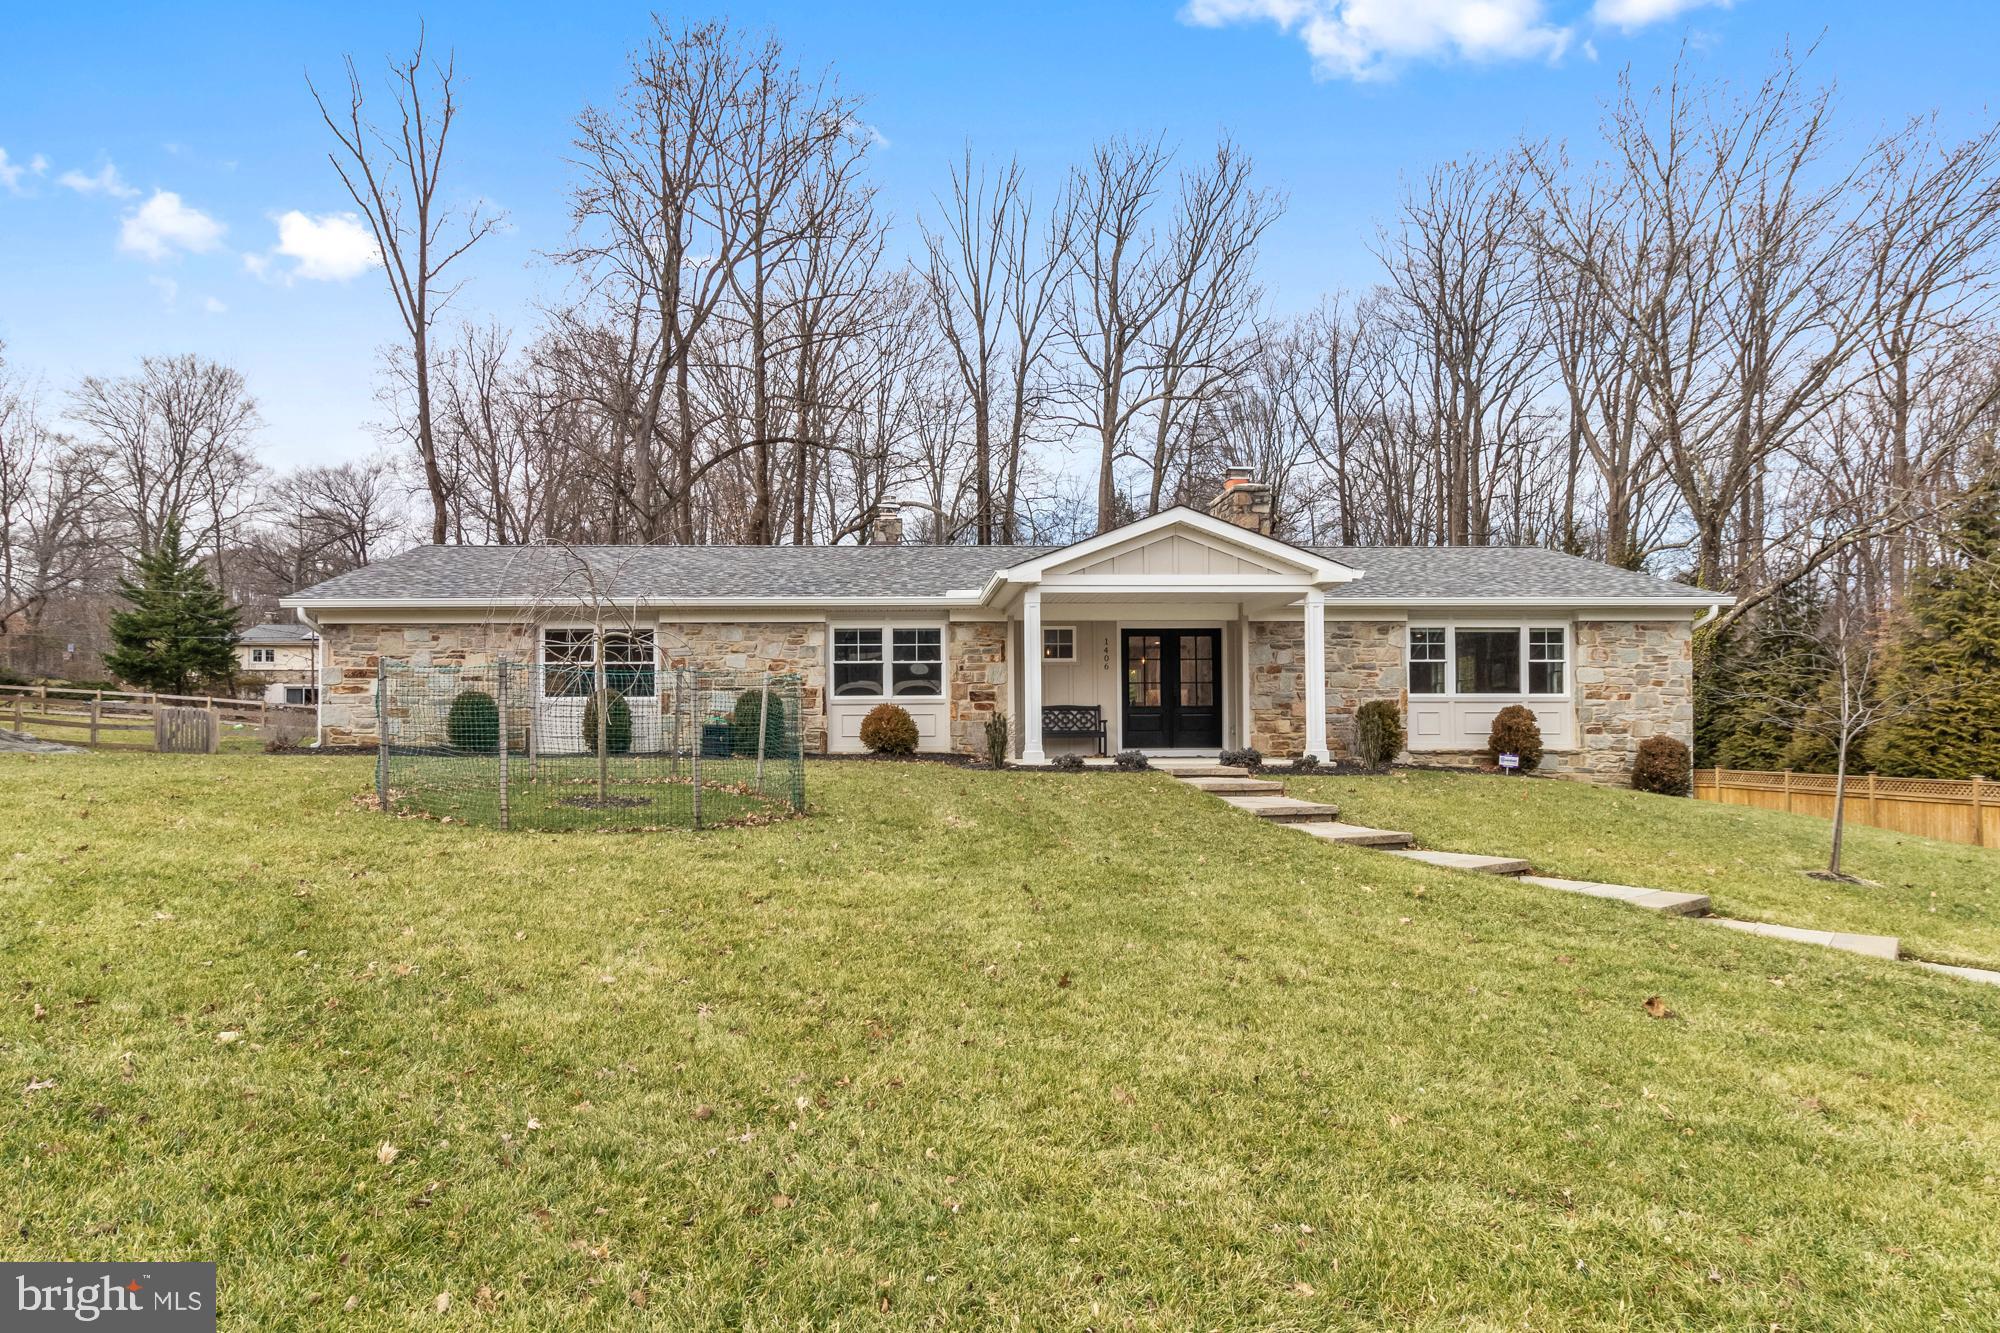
point(281, 659)
point(1189, 631)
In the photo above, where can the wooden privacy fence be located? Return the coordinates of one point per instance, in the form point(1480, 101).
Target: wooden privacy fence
point(1926, 807)
point(125, 719)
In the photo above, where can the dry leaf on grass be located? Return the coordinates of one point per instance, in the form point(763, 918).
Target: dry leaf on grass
point(442, 1303)
point(387, 1153)
point(1657, 1008)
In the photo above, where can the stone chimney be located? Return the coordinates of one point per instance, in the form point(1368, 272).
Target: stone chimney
point(1243, 501)
point(885, 525)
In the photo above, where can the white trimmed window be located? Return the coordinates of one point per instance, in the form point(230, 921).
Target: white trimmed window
point(1548, 651)
point(1427, 654)
point(301, 694)
point(263, 656)
point(888, 661)
point(916, 664)
point(1058, 643)
point(1489, 661)
point(857, 663)
point(569, 663)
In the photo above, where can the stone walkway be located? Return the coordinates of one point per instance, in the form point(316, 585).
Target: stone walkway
point(1265, 797)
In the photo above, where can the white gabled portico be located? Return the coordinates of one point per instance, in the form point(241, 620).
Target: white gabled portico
point(1149, 623)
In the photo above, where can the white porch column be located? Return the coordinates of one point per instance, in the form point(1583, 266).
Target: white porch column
point(1031, 677)
point(1316, 675)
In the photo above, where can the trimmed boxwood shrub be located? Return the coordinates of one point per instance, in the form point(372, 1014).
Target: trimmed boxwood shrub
point(1378, 732)
point(1249, 757)
point(1067, 763)
point(1663, 766)
point(889, 730)
point(743, 724)
point(473, 722)
point(617, 723)
point(1306, 763)
point(1515, 731)
point(1132, 761)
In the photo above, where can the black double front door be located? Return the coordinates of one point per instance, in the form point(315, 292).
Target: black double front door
point(1173, 689)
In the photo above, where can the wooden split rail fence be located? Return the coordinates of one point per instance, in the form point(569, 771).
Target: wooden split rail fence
point(129, 720)
point(1967, 811)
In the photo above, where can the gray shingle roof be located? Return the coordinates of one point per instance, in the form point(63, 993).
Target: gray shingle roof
point(276, 631)
point(734, 573)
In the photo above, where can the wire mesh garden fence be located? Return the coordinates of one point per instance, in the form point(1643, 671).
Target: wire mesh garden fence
point(517, 745)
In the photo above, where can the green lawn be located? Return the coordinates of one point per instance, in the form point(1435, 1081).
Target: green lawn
point(962, 1048)
point(1941, 899)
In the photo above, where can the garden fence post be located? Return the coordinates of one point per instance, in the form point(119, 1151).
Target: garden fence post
point(500, 698)
point(1873, 817)
point(214, 728)
point(96, 709)
point(1978, 816)
point(381, 739)
point(763, 708)
point(694, 761)
point(1788, 791)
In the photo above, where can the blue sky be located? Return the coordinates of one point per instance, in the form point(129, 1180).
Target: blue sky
point(1336, 99)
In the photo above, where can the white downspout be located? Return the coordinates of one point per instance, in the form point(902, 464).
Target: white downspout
point(1711, 614)
point(319, 675)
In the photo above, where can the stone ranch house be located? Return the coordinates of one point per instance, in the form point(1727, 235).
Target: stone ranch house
point(1186, 632)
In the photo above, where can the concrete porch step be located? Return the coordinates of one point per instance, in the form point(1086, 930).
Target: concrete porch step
point(1236, 786)
point(1353, 835)
point(1282, 809)
point(1478, 865)
point(1868, 946)
point(1199, 768)
point(1655, 900)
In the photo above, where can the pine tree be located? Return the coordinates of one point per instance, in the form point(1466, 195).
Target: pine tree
point(1945, 657)
point(180, 630)
point(1747, 677)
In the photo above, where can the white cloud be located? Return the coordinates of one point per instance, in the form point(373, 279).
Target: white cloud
point(11, 171)
point(213, 306)
point(106, 181)
point(331, 247)
point(163, 224)
point(1372, 39)
point(166, 287)
point(1634, 14)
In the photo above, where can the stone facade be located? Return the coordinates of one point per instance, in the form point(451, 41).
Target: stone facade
point(1277, 687)
point(976, 667)
point(353, 653)
point(1632, 679)
point(1364, 660)
point(780, 647)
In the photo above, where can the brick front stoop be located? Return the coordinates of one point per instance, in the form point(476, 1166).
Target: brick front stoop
point(1265, 798)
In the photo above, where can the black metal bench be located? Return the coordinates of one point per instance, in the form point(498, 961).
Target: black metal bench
point(1074, 722)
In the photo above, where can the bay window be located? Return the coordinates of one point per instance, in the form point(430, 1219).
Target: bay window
point(1486, 660)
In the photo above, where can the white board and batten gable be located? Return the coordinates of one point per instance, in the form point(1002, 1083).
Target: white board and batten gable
point(1178, 550)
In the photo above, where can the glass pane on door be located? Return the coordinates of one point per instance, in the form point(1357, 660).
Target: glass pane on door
point(1142, 670)
point(1197, 671)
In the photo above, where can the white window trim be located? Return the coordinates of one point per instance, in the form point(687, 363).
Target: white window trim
point(1451, 629)
point(888, 629)
point(263, 657)
point(542, 663)
point(1058, 661)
